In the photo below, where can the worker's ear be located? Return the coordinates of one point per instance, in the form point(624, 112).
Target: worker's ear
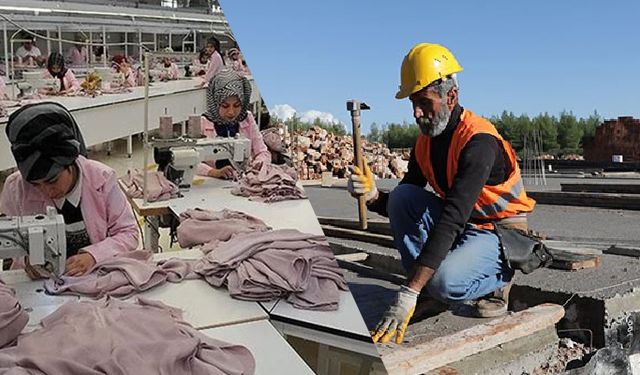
point(452, 98)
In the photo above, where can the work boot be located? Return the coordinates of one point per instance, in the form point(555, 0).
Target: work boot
point(494, 304)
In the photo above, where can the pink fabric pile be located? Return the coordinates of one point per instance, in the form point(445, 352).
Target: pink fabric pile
point(198, 227)
point(122, 276)
point(159, 188)
point(263, 266)
point(107, 337)
point(13, 318)
point(265, 182)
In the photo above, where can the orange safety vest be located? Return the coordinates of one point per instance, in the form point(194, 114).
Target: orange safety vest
point(495, 202)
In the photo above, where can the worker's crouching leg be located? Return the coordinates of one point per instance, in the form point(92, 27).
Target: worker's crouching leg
point(474, 268)
point(413, 212)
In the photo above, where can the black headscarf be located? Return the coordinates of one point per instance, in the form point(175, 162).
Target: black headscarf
point(56, 59)
point(45, 139)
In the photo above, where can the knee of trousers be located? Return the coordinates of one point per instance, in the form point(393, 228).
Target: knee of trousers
point(401, 201)
point(446, 285)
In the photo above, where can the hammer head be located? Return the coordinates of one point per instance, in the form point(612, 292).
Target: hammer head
point(356, 105)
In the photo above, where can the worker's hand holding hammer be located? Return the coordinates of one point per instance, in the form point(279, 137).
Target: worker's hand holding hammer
point(362, 183)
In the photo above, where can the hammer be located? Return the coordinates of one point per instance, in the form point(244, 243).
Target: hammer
point(355, 106)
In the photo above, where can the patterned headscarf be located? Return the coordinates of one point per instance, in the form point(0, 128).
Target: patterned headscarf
point(45, 139)
point(56, 59)
point(223, 85)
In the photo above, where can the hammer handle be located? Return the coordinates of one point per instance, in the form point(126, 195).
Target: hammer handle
point(359, 162)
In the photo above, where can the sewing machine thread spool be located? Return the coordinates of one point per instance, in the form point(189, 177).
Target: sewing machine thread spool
point(166, 127)
point(195, 130)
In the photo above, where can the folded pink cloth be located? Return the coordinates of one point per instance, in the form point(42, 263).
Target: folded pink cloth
point(13, 318)
point(122, 276)
point(158, 187)
point(199, 226)
point(116, 337)
point(262, 266)
point(265, 182)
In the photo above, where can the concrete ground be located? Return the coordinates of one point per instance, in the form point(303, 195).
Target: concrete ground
point(558, 222)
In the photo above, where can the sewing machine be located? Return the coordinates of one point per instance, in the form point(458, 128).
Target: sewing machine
point(34, 81)
point(108, 78)
point(40, 237)
point(180, 158)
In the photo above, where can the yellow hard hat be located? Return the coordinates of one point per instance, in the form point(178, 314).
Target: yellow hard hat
point(423, 65)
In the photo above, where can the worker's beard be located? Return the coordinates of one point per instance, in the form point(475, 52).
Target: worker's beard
point(435, 126)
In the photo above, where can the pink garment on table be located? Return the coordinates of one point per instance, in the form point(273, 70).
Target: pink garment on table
point(269, 183)
point(3, 89)
point(129, 81)
point(122, 276)
point(261, 266)
point(249, 129)
point(117, 337)
point(13, 318)
point(108, 216)
point(158, 187)
point(71, 84)
point(215, 66)
point(198, 68)
point(172, 72)
point(78, 57)
point(199, 227)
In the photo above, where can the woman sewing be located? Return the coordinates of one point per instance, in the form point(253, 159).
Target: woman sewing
point(54, 172)
point(57, 69)
point(227, 114)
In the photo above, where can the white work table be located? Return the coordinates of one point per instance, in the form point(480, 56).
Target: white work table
point(113, 116)
point(272, 353)
point(205, 306)
point(32, 297)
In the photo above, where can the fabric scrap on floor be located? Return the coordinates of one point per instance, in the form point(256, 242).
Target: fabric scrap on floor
point(264, 182)
point(285, 263)
point(158, 187)
point(107, 337)
point(13, 318)
point(199, 226)
point(122, 276)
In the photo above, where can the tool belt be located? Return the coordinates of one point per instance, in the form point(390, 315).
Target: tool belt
point(520, 249)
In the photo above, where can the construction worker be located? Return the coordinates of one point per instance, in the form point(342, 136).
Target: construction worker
point(446, 239)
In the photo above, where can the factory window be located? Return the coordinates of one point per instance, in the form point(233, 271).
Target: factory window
point(170, 3)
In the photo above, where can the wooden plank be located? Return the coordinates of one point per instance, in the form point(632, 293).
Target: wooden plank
point(444, 350)
point(623, 250)
point(564, 260)
point(355, 257)
point(604, 200)
point(602, 188)
point(379, 227)
point(358, 235)
point(154, 209)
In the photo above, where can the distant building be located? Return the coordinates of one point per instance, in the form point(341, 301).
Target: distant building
point(615, 137)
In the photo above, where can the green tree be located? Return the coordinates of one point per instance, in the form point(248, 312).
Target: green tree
point(547, 125)
point(569, 133)
point(374, 133)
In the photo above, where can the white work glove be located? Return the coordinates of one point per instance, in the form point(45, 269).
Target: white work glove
point(362, 184)
point(395, 321)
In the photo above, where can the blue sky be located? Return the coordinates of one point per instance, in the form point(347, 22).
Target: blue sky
point(525, 57)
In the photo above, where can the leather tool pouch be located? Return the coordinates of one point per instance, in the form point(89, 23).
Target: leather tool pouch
point(521, 250)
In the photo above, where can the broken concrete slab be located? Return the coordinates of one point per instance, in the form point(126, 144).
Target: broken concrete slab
point(359, 235)
point(605, 200)
point(517, 357)
point(427, 356)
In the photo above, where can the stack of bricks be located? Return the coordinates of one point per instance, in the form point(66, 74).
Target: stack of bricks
point(615, 137)
point(315, 151)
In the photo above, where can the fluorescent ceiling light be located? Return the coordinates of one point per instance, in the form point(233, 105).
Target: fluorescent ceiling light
point(97, 13)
